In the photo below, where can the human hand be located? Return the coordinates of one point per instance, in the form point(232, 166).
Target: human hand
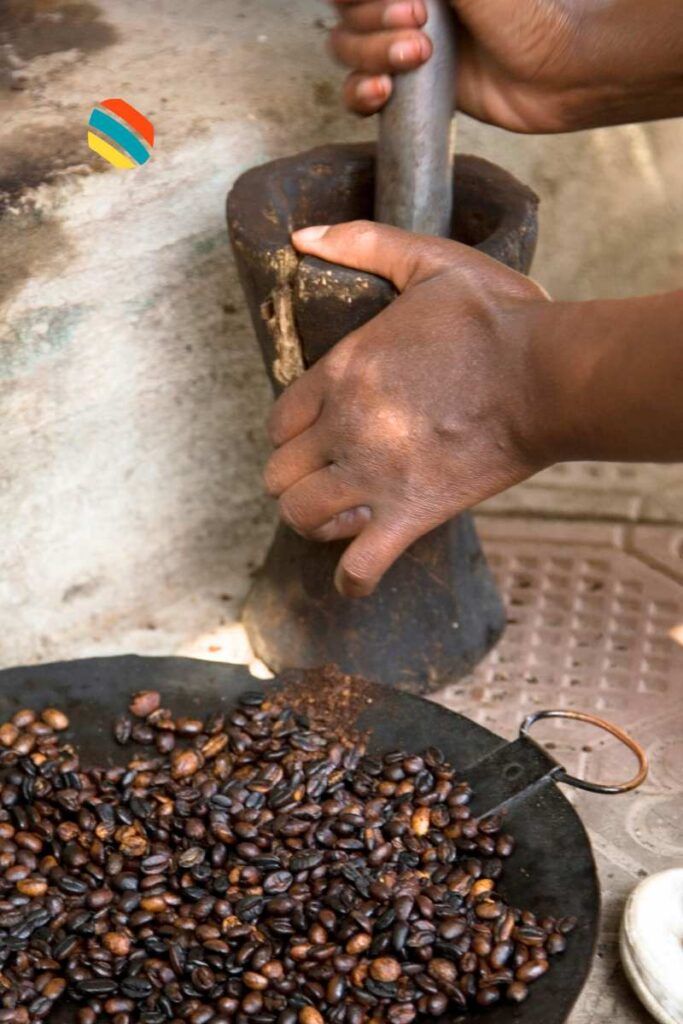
point(526, 65)
point(425, 411)
point(515, 58)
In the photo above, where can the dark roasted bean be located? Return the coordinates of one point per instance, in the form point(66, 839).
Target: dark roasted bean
point(529, 935)
point(566, 925)
point(531, 970)
point(144, 703)
point(517, 992)
point(385, 969)
point(136, 988)
point(251, 871)
point(556, 943)
point(96, 986)
point(487, 996)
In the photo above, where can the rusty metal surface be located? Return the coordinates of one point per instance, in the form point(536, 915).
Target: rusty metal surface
point(594, 611)
point(301, 308)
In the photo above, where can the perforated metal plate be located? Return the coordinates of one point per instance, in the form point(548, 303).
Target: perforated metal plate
point(595, 622)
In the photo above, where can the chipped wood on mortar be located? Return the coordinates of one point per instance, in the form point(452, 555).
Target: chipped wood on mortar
point(278, 310)
point(278, 313)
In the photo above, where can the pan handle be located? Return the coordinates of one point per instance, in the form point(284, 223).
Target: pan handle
point(582, 716)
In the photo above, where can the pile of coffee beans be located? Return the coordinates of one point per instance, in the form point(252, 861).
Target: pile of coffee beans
point(250, 869)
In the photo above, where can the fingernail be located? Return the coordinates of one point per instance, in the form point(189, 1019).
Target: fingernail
point(307, 235)
point(405, 51)
point(400, 15)
point(346, 585)
point(375, 89)
point(340, 582)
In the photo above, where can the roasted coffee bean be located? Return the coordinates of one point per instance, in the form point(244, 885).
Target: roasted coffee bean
point(117, 943)
point(500, 954)
point(517, 992)
point(556, 943)
point(55, 719)
point(32, 886)
point(184, 763)
point(385, 969)
point(452, 928)
point(277, 882)
point(250, 871)
point(144, 703)
point(9, 734)
point(566, 925)
point(305, 861)
point(529, 935)
point(54, 988)
point(487, 996)
point(96, 986)
point(401, 1013)
point(489, 909)
point(309, 1015)
point(123, 728)
point(358, 943)
point(136, 988)
point(443, 971)
point(531, 970)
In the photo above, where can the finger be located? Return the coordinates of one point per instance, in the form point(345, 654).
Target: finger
point(298, 458)
point(316, 499)
point(381, 52)
point(296, 409)
point(380, 14)
point(401, 257)
point(343, 526)
point(368, 557)
point(366, 94)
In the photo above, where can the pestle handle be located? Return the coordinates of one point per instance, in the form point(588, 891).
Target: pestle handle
point(414, 178)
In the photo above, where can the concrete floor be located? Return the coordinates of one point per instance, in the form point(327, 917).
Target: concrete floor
point(132, 398)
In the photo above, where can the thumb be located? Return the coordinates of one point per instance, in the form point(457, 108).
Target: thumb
point(368, 557)
point(401, 257)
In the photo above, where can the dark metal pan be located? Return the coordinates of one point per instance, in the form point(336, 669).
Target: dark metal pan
point(552, 870)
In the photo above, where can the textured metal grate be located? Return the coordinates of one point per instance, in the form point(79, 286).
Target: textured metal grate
point(595, 622)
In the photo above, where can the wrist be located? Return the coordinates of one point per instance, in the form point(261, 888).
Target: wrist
point(621, 65)
point(560, 368)
point(606, 379)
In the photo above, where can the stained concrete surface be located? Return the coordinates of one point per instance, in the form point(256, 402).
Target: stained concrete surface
point(131, 396)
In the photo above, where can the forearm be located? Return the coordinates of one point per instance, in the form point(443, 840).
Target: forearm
point(613, 378)
point(628, 63)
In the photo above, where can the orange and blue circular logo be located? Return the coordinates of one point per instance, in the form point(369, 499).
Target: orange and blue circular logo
point(120, 134)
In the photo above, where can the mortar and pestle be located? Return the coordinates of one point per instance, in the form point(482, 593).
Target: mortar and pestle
point(436, 613)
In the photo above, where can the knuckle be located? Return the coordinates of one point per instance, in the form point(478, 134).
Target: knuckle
point(273, 429)
point(293, 513)
point(332, 372)
point(327, 532)
point(363, 231)
point(271, 481)
point(276, 427)
point(341, 362)
point(340, 46)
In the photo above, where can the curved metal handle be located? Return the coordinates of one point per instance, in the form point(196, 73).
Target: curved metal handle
point(414, 178)
point(582, 716)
